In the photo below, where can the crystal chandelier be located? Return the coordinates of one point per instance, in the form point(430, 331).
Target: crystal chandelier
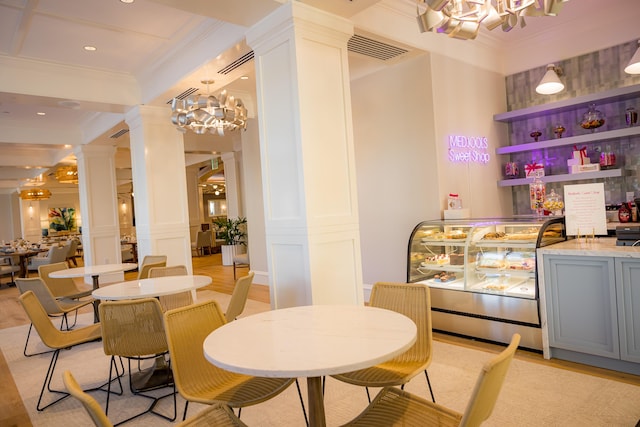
point(202, 113)
point(35, 194)
point(461, 19)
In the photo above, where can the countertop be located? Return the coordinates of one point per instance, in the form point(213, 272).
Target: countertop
point(600, 246)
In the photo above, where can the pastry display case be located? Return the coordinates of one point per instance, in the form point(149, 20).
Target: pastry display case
point(483, 274)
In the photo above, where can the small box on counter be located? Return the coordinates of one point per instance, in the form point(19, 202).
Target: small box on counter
point(532, 169)
point(590, 167)
point(580, 162)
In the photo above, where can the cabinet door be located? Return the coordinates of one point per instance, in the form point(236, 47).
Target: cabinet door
point(581, 304)
point(628, 280)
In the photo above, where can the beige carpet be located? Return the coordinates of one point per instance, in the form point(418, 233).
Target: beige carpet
point(533, 394)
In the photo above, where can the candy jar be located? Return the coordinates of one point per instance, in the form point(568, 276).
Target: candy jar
point(559, 130)
point(553, 203)
point(631, 116)
point(592, 119)
point(537, 191)
point(535, 135)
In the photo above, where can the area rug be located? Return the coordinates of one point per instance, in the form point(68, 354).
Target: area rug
point(533, 394)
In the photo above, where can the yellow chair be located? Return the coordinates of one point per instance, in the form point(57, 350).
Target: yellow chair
point(239, 297)
point(197, 379)
point(149, 262)
point(414, 301)
point(62, 287)
point(169, 302)
point(393, 407)
point(53, 307)
point(217, 415)
point(134, 329)
point(54, 339)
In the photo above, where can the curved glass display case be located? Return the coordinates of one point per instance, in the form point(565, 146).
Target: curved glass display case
point(483, 274)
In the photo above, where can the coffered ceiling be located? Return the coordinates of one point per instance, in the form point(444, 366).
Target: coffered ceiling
point(151, 50)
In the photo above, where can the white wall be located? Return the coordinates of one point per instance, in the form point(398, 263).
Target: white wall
point(395, 164)
point(9, 217)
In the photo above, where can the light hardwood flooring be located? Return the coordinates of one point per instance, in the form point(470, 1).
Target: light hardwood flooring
point(13, 413)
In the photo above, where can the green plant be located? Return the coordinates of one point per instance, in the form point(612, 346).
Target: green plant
point(231, 230)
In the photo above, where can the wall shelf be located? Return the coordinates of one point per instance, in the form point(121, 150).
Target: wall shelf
point(613, 95)
point(609, 173)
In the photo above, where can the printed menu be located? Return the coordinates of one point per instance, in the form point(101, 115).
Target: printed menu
point(584, 209)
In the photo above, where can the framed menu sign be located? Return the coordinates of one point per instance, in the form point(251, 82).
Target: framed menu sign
point(584, 209)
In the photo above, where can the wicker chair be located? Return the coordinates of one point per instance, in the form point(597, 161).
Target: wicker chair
point(393, 407)
point(149, 262)
point(414, 301)
point(239, 297)
point(52, 306)
point(55, 339)
point(217, 415)
point(169, 302)
point(62, 287)
point(134, 329)
point(196, 378)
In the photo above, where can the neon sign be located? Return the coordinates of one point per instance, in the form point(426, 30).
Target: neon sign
point(468, 149)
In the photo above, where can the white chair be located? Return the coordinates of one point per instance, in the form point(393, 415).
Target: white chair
point(55, 254)
point(204, 240)
point(72, 251)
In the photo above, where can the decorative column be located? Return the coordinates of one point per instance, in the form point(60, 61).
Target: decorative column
point(197, 214)
point(231, 182)
point(307, 157)
point(159, 185)
point(97, 187)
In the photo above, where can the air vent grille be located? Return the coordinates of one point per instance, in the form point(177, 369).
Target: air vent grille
point(373, 48)
point(119, 133)
point(235, 64)
point(184, 94)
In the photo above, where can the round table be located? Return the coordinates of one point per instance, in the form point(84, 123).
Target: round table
point(151, 287)
point(310, 341)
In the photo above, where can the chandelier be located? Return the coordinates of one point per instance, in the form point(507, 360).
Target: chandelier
point(67, 174)
point(35, 194)
point(461, 19)
point(202, 113)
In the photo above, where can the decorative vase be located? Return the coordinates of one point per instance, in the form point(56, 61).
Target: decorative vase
point(228, 252)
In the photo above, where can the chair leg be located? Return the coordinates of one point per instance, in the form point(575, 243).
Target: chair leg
point(186, 406)
point(47, 383)
point(304, 411)
point(429, 384)
point(234, 271)
point(27, 343)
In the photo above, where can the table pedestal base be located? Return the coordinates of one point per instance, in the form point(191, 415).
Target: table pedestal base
point(158, 376)
point(316, 402)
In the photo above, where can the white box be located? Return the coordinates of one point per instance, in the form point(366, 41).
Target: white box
point(463, 213)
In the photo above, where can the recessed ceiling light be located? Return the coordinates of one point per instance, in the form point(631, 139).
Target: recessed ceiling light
point(90, 48)
point(67, 146)
point(244, 78)
point(41, 113)
point(127, 1)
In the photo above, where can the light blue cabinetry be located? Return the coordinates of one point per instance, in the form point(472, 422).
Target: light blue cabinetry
point(628, 287)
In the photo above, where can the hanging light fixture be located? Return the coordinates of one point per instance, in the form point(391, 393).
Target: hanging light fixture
point(550, 82)
point(67, 174)
point(633, 67)
point(35, 194)
point(202, 113)
point(461, 19)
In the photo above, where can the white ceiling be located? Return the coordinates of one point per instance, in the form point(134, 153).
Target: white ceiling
point(151, 50)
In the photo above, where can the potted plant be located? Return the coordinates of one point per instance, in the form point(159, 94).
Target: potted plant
point(233, 232)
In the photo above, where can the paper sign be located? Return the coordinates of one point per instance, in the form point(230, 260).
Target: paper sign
point(584, 209)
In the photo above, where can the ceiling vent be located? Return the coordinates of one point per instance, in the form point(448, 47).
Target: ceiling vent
point(237, 63)
point(119, 133)
point(373, 48)
point(184, 94)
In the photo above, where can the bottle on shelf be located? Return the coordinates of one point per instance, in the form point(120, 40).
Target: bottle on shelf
point(624, 213)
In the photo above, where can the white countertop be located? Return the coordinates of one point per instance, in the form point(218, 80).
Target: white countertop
point(600, 246)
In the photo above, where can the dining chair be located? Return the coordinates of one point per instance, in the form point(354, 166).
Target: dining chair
point(216, 415)
point(52, 306)
point(72, 249)
point(169, 302)
point(204, 240)
point(239, 297)
point(9, 267)
point(62, 287)
point(414, 301)
point(54, 339)
point(134, 329)
point(197, 379)
point(240, 261)
point(394, 407)
point(55, 254)
point(151, 261)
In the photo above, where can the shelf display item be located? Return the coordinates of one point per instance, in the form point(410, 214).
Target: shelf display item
point(592, 119)
point(537, 192)
point(559, 130)
point(580, 161)
point(533, 169)
point(607, 158)
point(631, 116)
point(553, 203)
point(536, 134)
point(624, 213)
point(485, 285)
point(511, 170)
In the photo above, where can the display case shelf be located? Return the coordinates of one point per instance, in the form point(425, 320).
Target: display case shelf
point(608, 173)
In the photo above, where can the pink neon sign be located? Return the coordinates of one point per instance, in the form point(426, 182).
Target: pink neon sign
point(468, 149)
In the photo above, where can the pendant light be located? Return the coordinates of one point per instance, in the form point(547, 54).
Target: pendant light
point(633, 67)
point(550, 83)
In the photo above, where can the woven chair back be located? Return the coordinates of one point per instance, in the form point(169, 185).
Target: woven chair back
point(92, 406)
point(180, 299)
point(42, 292)
point(49, 334)
point(239, 297)
point(59, 287)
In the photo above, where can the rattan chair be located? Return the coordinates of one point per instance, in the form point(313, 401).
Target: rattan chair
point(217, 415)
point(169, 302)
point(149, 262)
point(414, 301)
point(52, 306)
point(54, 339)
point(134, 329)
point(394, 407)
point(197, 379)
point(239, 297)
point(62, 287)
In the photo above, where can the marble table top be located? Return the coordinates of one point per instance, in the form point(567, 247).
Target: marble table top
point(93, 270)
point(600, 246)
point(152, 287)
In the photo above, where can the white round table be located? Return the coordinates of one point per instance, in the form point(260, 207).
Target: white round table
point(151, 287)
point(310, 341)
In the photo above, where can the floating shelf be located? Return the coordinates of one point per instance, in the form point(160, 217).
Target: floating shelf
point(613, 95)
point(609, 173)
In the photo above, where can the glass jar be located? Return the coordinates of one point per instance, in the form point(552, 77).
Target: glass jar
point(553, 203)
point(537, 191)
point(631, 116)
point(592, 119)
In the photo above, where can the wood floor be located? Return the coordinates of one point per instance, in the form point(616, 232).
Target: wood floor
point(13, 413)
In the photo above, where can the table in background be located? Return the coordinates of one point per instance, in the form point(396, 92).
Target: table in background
point(94, 271)
point(23, 258)
point(310, 341)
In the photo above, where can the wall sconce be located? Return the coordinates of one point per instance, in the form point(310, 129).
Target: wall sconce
point(551, 83)
point(633, 67)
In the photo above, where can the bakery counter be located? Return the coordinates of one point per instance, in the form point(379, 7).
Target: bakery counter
point(590, 303)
